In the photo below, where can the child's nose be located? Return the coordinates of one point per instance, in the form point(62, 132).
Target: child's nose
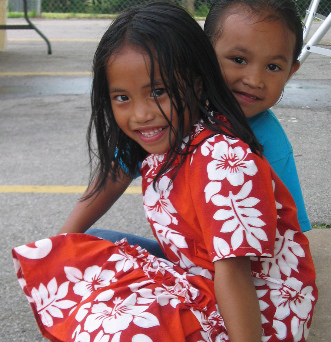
point(253, 78)
point(142, 112)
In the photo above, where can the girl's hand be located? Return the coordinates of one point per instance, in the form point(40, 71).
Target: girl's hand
point(237, 299)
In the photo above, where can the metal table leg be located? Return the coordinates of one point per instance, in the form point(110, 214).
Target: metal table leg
point(30, 26)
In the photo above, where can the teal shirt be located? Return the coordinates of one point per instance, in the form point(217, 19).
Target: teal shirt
point(279, 153)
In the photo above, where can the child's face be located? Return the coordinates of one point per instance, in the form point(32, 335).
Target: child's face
point(135, 109)
point(256, 59)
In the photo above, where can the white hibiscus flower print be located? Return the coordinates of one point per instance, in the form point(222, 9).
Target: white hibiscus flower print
point(152, 161)
point(211, 324)
point(230, 163)
point(207, 146)
point(290, 296)
point(162, 296)
point(120, 316)
point(299, 328)
point(141, 338)
point(124, 261)
point(241, 218)
point(92, 279)
point(80, 336)
point(157, 205)
point(49, 301)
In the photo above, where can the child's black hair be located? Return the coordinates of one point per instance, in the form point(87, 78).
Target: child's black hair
point(284, 10)
point(172, 38)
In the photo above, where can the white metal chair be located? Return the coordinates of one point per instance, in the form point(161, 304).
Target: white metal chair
point(310, 46)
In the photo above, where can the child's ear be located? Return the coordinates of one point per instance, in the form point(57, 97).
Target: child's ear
point(295, 68)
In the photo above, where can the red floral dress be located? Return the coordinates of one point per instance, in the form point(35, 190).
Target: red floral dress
point(224, 202)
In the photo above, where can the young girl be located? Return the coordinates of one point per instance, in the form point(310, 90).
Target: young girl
point(238, 266)
point(255, 41)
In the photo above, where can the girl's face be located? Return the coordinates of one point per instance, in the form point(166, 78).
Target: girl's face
point(256, 59)
point(132, 99)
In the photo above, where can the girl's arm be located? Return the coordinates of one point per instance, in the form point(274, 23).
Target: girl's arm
point(237, 299)
point(87, 212)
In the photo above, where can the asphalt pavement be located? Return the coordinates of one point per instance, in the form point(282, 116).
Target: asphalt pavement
point(44, 111)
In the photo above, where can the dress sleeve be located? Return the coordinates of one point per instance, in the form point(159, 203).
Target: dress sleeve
point(232, 191)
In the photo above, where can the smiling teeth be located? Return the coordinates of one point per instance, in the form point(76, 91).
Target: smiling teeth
point(151, 134)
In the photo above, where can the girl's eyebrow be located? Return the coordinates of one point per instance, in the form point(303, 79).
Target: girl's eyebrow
point(120, 90)
point(116, 90)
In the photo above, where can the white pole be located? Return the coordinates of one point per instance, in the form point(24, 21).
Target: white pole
point(312, 12)
point(315, 39)
point(38, 9)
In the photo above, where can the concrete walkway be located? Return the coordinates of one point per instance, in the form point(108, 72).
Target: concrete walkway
point(44, 110)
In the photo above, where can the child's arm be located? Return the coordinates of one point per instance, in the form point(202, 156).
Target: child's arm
point(237, 299)
point(87, 212)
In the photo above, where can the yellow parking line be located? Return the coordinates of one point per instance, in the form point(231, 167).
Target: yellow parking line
point(47, 73)
point(55, 189)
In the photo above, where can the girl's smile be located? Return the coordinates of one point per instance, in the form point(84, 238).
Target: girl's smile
point(256, 59)
point(136, 105)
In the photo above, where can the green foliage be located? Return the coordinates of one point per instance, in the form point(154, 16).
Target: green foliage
point(115, 6)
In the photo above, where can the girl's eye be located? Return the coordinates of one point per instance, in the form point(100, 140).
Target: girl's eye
point(158, 92)
point(121, 98)
point(239, 60)
point(273, 67)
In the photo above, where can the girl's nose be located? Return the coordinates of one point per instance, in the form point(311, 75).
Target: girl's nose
point(142, 112)
point(253, 78)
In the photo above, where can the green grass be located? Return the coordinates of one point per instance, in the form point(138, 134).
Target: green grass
point(71, 15)
point(321, 226)
point(62, 15)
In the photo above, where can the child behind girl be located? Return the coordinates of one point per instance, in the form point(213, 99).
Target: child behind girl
point(238, 267)
point(258, 43)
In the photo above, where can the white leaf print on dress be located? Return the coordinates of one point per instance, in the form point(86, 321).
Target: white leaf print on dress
point(49, 301)
point(175, 241)
point(230, 163)
point(211, 189)
point(240, 217)
point(221, 247)
point(157, 205)
point(94, 278)
point(286, 253)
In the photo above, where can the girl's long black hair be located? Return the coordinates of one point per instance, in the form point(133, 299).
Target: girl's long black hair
point(172, 38)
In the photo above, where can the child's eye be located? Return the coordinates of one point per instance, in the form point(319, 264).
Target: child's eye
point(273, 67)
point(121, 98)
point(157, 92)
point(239, 60)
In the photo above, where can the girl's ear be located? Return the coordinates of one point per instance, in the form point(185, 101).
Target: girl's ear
point(295, 68)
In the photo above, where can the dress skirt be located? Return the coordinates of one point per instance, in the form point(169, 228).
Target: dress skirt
point(85, 289)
